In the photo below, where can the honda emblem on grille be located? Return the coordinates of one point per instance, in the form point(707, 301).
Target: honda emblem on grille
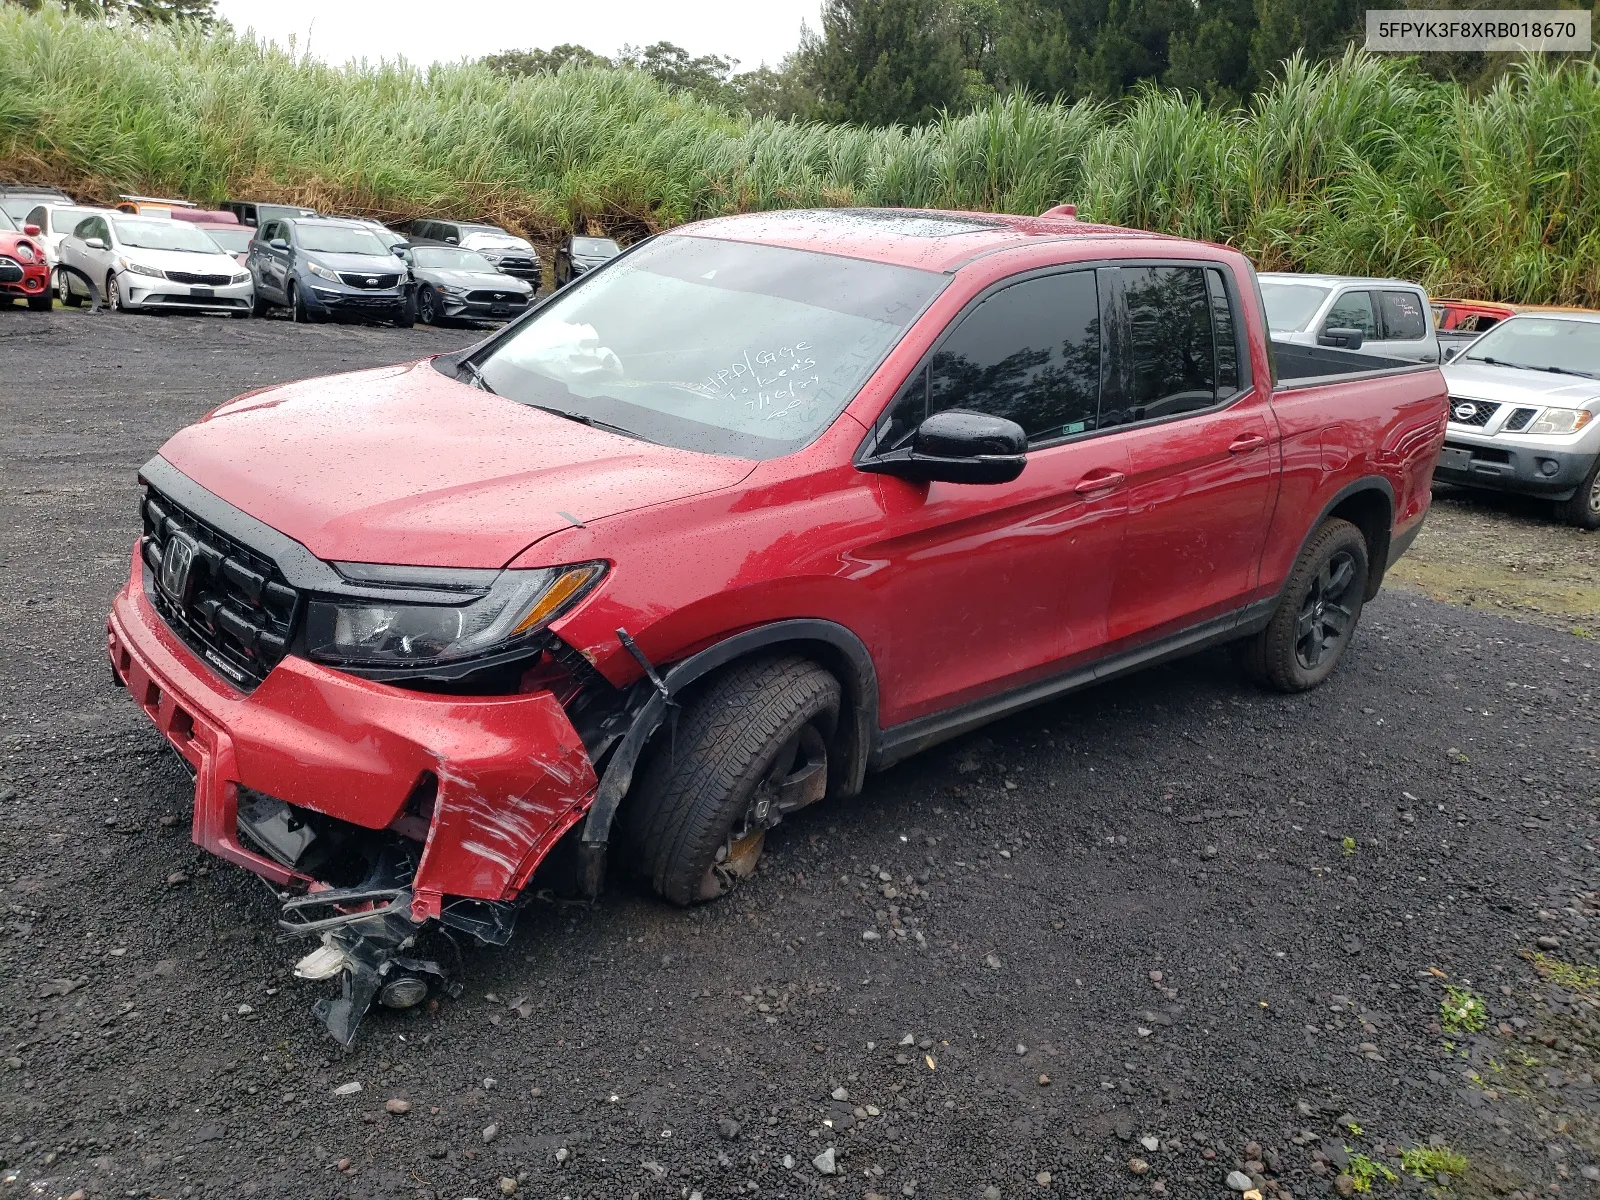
point(177, 565)
point(1464, 412)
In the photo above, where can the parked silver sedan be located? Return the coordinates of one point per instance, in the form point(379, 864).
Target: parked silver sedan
point(154, 263)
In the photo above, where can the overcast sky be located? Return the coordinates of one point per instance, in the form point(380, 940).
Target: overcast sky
point(426, 31)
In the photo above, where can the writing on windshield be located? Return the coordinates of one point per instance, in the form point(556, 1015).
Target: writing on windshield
point(726, 347)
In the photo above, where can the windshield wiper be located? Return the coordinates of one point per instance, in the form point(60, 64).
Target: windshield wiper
point(478, 381)
point(591, 422)
point(1515, 366)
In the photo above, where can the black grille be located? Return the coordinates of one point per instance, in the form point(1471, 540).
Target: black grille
point(522, 268)
point(359, 279)
point(1520, 419)
point(10, 270)
point(484, 297)
point(234, 609)
point(202, 280)
point(384, 302)
point(1471, 412)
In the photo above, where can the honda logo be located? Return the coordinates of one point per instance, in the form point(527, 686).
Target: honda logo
point(1464, 412)
point(177, 567)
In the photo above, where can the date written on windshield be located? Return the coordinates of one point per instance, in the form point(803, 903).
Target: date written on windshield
point(769, 383)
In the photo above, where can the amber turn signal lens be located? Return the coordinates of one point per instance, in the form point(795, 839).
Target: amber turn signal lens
point(556, 595)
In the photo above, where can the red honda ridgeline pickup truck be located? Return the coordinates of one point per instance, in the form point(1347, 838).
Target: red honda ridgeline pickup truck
point(760, 505)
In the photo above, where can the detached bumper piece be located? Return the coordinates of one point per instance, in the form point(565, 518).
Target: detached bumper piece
point(367, 948)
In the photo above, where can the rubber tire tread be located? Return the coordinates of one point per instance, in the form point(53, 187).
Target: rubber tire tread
point(1575, 509)
point(1268, 657)
point(724, 743)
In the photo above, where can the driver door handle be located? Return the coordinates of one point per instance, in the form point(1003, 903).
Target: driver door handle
point(1246, 443)
point(1100, 481)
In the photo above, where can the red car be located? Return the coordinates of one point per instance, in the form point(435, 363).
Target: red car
point(754, 509)
point(23, 269)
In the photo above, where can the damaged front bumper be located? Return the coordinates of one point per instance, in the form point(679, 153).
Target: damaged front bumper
point(386, 807)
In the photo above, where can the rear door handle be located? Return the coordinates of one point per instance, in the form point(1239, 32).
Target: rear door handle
point(1102, 482)
point(1246, 443)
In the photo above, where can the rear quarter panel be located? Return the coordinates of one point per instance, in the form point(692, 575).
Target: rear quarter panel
point(1340, 433)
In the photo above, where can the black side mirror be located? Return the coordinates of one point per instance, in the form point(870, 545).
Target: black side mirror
point(1450, 352)
point(1343, 339)
point(957, 446)
point(278, 244)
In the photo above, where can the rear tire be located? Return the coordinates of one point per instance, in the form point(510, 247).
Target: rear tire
point(258, 304)
point(758, 734)
point(1316, 615)
point(1583, 508)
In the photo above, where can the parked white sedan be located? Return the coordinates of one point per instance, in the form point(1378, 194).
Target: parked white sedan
point(56, 222)
point(155, 263)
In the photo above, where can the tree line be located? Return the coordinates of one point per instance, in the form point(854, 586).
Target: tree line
point(883, 62)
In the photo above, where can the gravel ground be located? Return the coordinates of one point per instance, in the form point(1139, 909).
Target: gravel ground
point(1505, 553)
point(1123, 945)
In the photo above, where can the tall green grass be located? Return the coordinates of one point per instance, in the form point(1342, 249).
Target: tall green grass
point(1360, 166)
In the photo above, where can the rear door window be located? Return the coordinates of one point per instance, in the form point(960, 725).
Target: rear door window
point(1030, 353)
point(1353, 310)
point(1402, 316)
point(40, 217)
point(1172, 342)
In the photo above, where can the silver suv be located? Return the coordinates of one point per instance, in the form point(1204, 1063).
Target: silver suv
point(1525, 412)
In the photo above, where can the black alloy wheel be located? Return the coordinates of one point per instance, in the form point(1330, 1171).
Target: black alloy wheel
point(1327, 612)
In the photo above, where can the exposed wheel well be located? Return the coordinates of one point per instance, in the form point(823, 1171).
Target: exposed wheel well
point(858, 708)
point(1370, 511)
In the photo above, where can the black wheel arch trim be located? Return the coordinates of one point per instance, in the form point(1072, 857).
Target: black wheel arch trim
point(1379, 560)
point(860, 683)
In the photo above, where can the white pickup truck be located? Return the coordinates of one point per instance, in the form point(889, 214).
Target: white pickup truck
point(1389, 318)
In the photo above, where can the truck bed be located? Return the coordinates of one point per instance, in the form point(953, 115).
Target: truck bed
point(1306, 366)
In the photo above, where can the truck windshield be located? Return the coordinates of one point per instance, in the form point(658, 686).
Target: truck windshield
point(1290, 306)
point(724, 347)
point(1541, 344)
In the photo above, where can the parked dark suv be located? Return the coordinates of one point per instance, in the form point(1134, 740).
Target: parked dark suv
point(506, 252)
point(321, 267)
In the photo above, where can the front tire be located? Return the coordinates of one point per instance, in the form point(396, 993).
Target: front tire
point(114, 293)
point(42, 303)
point(1316, 614)
point(64, 291)
point(428, 306)
point(298, 312)
point(752, 745)
point(1583, 508)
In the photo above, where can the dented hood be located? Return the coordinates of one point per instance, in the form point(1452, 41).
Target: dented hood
point(405, 465)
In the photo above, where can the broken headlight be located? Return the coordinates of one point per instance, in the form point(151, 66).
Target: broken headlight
point(405, 632)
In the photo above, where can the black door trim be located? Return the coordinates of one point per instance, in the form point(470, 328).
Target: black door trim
point(912, 737)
